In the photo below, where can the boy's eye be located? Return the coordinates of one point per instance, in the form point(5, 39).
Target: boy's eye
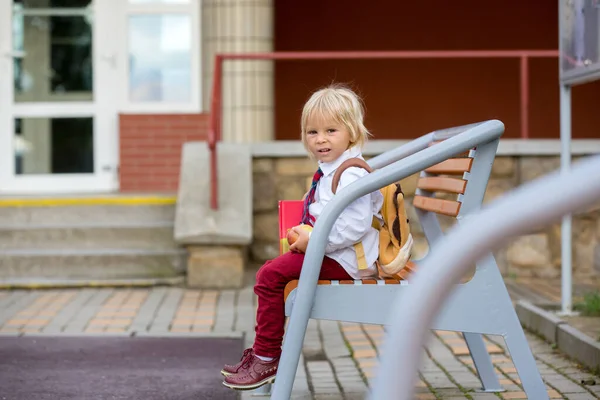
point(331, 130)
point(312, 132)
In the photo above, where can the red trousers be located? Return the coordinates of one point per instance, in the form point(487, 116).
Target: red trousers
point(271, 279)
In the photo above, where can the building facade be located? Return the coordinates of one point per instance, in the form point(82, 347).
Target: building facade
point(104, 93)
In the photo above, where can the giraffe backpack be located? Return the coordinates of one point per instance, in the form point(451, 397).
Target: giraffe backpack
point(395, 240)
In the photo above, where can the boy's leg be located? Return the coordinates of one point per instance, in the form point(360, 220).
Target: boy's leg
point(252, 371)
point(271, 280)
point(230, 369)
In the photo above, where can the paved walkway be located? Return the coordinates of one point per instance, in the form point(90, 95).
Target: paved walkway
point(338, 359)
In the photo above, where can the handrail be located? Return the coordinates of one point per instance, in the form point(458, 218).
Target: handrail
point(417, 144)
point(480, 134)
point(530, 206)
point(214, 132)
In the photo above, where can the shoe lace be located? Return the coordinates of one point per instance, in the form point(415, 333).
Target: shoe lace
point(246, 363)
point(245, 353)
point(247, 357)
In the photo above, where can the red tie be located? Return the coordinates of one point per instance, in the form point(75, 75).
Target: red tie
point(310, 198)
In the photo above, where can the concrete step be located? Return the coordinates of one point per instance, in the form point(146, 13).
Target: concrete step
point(91, 214)
point(154, 235)
point(92, 264)
point(62, 283)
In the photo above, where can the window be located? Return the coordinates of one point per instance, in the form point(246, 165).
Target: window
point(162, 56)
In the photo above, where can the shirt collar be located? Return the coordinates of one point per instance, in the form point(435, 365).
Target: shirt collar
point(330, 167)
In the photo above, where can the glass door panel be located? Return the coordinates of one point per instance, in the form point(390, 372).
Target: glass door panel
point(52, 50)
point(54, 146)
point(57, 116)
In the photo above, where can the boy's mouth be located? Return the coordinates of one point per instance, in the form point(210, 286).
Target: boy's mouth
point(324, 151)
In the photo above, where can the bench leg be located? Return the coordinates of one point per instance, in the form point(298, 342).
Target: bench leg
point(523, 359)
point(483, 362)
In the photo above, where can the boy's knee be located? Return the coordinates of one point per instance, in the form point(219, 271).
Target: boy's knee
point(266, 273)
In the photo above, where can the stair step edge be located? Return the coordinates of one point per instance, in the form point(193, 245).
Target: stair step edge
point(91, 252)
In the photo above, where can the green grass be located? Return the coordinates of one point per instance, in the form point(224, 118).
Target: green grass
point(590, 306)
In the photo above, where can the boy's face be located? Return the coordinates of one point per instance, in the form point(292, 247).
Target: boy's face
point(326, 138)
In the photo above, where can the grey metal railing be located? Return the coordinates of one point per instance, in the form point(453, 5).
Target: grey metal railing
point(391, 166)
point(525, 209)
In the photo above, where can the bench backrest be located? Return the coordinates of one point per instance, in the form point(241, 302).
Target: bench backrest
point(452, 188)
point(446, 178)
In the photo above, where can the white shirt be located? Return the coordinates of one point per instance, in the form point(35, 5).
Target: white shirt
point(354, 223)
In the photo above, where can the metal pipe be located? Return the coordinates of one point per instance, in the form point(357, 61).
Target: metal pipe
point(565, 229)
point(401, 152)
point(530, 206)
point(524, 86)
point(214, 134)
point(214, 131)
point(329, 55)
point(416, 145)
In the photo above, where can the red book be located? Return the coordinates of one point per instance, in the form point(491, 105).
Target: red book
point(290, 215)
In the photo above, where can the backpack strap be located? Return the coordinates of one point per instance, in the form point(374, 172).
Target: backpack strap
point(360, 163)
point(351, 162)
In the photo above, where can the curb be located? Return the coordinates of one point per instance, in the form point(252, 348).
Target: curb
point(131, 334)
point(568, 339)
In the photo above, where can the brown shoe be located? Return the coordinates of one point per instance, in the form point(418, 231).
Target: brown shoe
point(253, 374)
point(233, 369)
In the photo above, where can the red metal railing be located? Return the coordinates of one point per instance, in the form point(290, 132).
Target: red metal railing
point(214, 134)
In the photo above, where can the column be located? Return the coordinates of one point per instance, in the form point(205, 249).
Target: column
point(240, 26)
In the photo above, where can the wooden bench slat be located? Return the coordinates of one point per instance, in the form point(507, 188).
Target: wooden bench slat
point(404, 274)
point(440, 206)
point(390, 281)
point(411, 267)
point(408, 269)
point(437, 183)
point(369, 282)
point(452, 166)
point(294, 284)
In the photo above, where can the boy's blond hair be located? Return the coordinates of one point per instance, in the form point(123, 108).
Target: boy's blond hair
point(342, 105)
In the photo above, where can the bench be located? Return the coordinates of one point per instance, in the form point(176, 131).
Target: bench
point(467, 151)
point(547, 199)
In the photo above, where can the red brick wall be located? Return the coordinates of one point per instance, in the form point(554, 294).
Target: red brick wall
point(150, 149)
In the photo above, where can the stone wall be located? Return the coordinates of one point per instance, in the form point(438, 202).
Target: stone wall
point(536, 254)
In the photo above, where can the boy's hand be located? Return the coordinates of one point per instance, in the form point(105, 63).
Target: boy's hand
point(301, 243)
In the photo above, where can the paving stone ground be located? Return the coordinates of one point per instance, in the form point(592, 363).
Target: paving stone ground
point(338, 361)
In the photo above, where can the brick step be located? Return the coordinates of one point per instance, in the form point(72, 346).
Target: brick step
point(155, 235)
point(93, 264)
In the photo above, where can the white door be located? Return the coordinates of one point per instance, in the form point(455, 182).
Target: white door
point(58, 116)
